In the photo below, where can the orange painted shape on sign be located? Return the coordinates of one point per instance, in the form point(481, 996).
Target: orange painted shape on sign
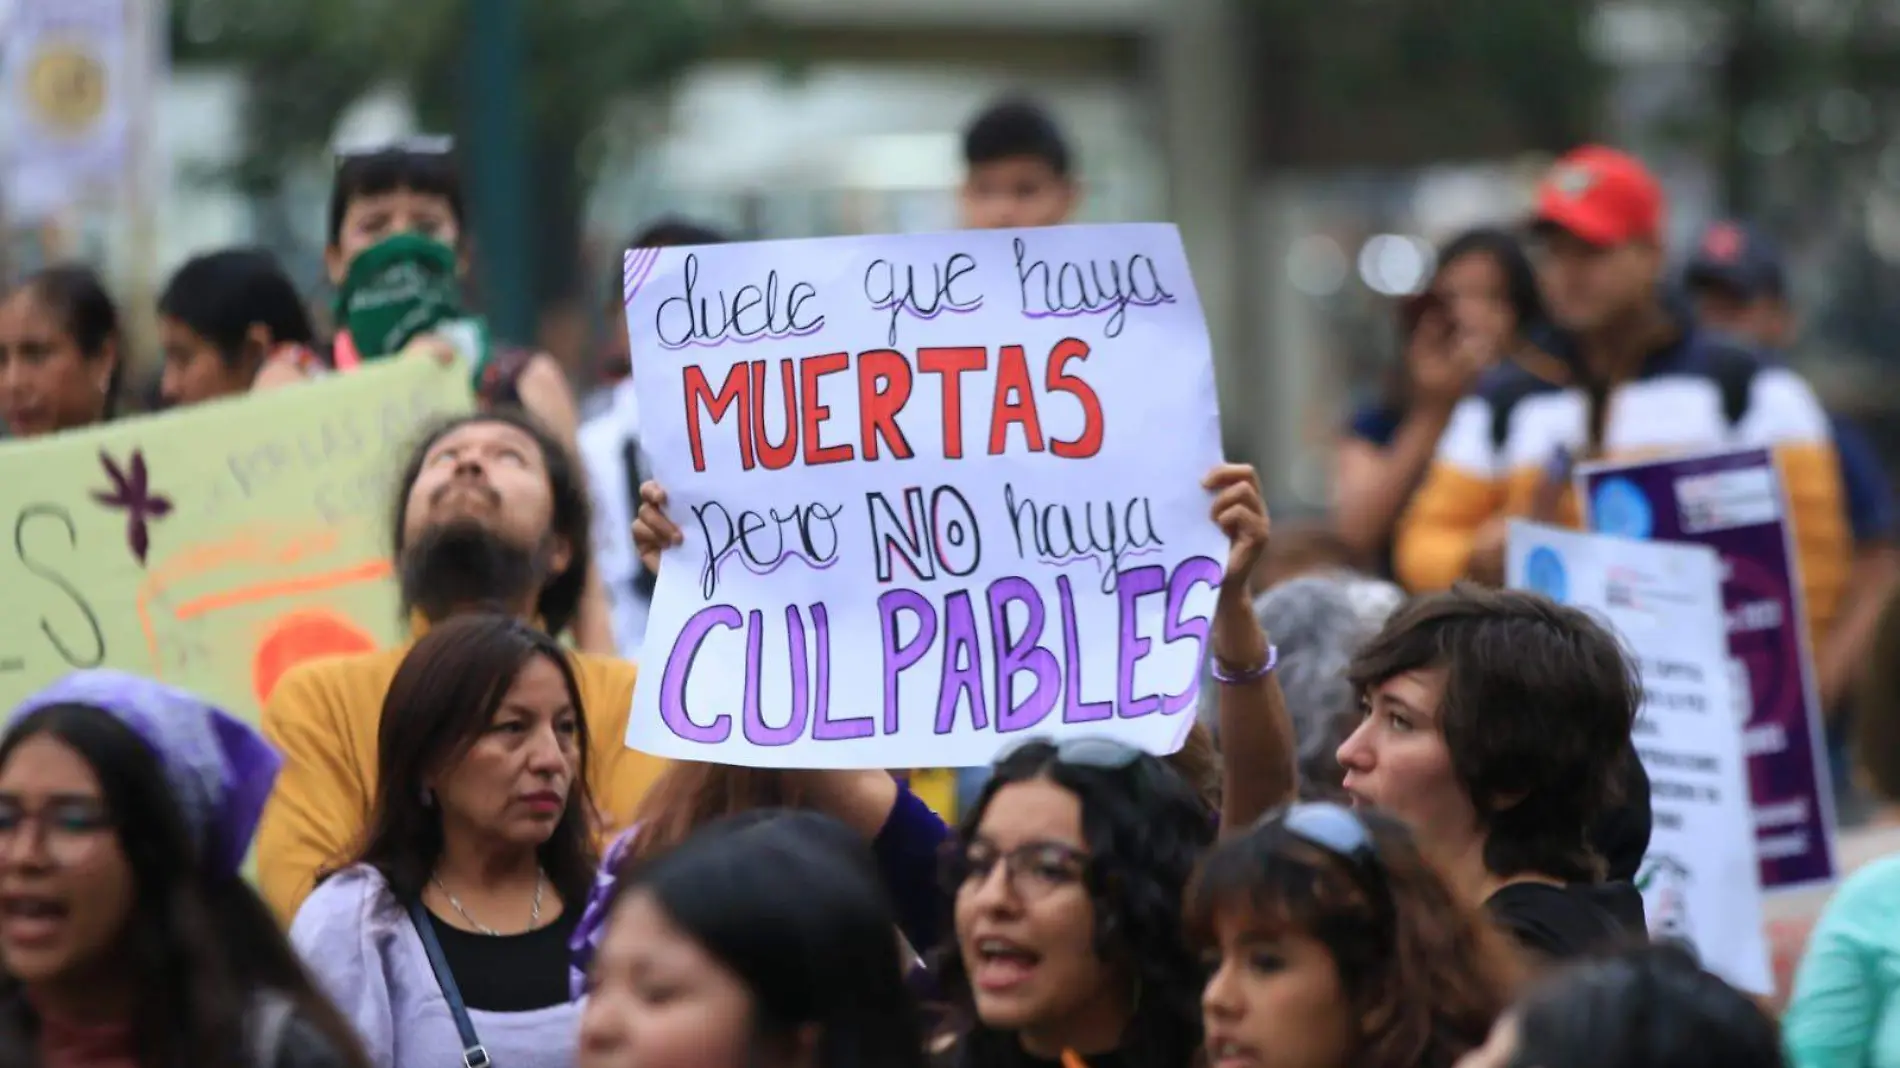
point(300, 636)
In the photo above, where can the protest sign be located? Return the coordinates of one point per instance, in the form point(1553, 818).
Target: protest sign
point(215, 546)
point(1698, 878)
point(1732, 502)
point(938, 493)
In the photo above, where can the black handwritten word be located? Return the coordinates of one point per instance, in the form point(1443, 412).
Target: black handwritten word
point(1069, 289)
point(1109, 535)
point(885, 291)
point(940, 535)
point(761, 542)
point(750, 313)
point(41, 557)
point(885, 379)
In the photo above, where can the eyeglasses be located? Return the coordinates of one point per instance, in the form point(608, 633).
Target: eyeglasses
point(418, 145)
point(1091, 751)
point(67, 829)
point(1339, 832)
point(1033, 870)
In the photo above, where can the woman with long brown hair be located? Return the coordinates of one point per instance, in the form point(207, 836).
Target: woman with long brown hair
point(1334, 944)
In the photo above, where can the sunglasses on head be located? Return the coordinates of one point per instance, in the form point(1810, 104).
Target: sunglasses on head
point(1337, 831)
point(418, 145)
point(1092, 751)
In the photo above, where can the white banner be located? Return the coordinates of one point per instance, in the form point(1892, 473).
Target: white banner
point(1699, 879)
point(938, 492)
point(73, 74)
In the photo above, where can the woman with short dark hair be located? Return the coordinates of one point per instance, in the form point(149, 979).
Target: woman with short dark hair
point(450, 929)
point(1496, 723)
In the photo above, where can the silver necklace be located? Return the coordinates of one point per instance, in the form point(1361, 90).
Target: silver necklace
point(534, 921)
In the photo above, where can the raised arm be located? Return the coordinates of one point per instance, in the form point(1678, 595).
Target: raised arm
point(1258, 754)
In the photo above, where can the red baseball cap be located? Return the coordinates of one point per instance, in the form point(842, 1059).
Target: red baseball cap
point(1603, 196)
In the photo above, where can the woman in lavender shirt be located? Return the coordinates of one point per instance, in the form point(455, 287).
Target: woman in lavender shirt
point(481, 820)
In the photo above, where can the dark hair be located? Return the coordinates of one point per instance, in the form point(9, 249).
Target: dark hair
point(790, 902)
point(1016, 128)
point(1649, 1008)
point(443, 696)
point(88, 314)
point(199, 945)
point(1424, 975)
point(572, 519)
point(372, 174)
point(1538, 706)
point(1520, 276)
point(221, 295)
point(1521, 292)
point(670, 231)
point(1145, 827)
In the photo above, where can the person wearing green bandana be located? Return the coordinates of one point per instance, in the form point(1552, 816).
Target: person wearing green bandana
point(397, 256)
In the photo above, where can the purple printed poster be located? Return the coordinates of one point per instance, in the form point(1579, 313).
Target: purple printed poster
point(939, 493)
point(1732, 503)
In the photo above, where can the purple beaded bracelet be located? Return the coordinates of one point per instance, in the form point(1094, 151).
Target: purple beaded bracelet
point(1222, 675)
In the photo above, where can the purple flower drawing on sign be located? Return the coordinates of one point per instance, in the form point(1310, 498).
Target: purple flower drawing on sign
point(131, 491)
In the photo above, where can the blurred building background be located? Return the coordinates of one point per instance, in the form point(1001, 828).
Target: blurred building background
point(1312, 151)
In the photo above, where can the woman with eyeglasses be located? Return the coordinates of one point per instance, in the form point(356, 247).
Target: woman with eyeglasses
point(128, 937)
point(1333, 944)
point(1067, 913)
point(762, 941)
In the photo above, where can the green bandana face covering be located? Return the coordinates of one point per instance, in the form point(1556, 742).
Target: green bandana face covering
point(401, 288)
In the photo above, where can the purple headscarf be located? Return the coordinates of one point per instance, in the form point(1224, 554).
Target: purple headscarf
point(219, 768)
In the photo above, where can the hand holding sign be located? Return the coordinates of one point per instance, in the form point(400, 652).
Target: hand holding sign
point(926, 495)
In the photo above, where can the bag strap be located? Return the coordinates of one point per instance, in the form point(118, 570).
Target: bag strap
point(474, 1054)
point(270, 1015)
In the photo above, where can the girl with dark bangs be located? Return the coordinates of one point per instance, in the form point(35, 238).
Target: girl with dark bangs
point(1334, 945)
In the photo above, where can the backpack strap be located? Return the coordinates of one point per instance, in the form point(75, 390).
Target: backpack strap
point(1734, 371)
point(270, 1016)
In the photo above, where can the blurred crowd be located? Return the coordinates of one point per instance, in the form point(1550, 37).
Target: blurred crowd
point(1404, 833)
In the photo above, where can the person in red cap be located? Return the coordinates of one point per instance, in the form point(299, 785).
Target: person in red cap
point(1633, 376)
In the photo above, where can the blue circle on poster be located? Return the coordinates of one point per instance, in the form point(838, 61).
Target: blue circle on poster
point(1620, 508)
point(1544, 573)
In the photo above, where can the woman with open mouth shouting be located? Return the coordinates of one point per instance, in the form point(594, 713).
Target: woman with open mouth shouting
point(128, 938)
point(1331, 943)
point(1068, 913)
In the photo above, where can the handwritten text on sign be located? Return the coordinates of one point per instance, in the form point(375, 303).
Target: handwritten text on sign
point(216, 546)
point(939, 493)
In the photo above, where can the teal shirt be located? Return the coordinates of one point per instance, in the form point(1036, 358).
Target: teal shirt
point(1845, 1012)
